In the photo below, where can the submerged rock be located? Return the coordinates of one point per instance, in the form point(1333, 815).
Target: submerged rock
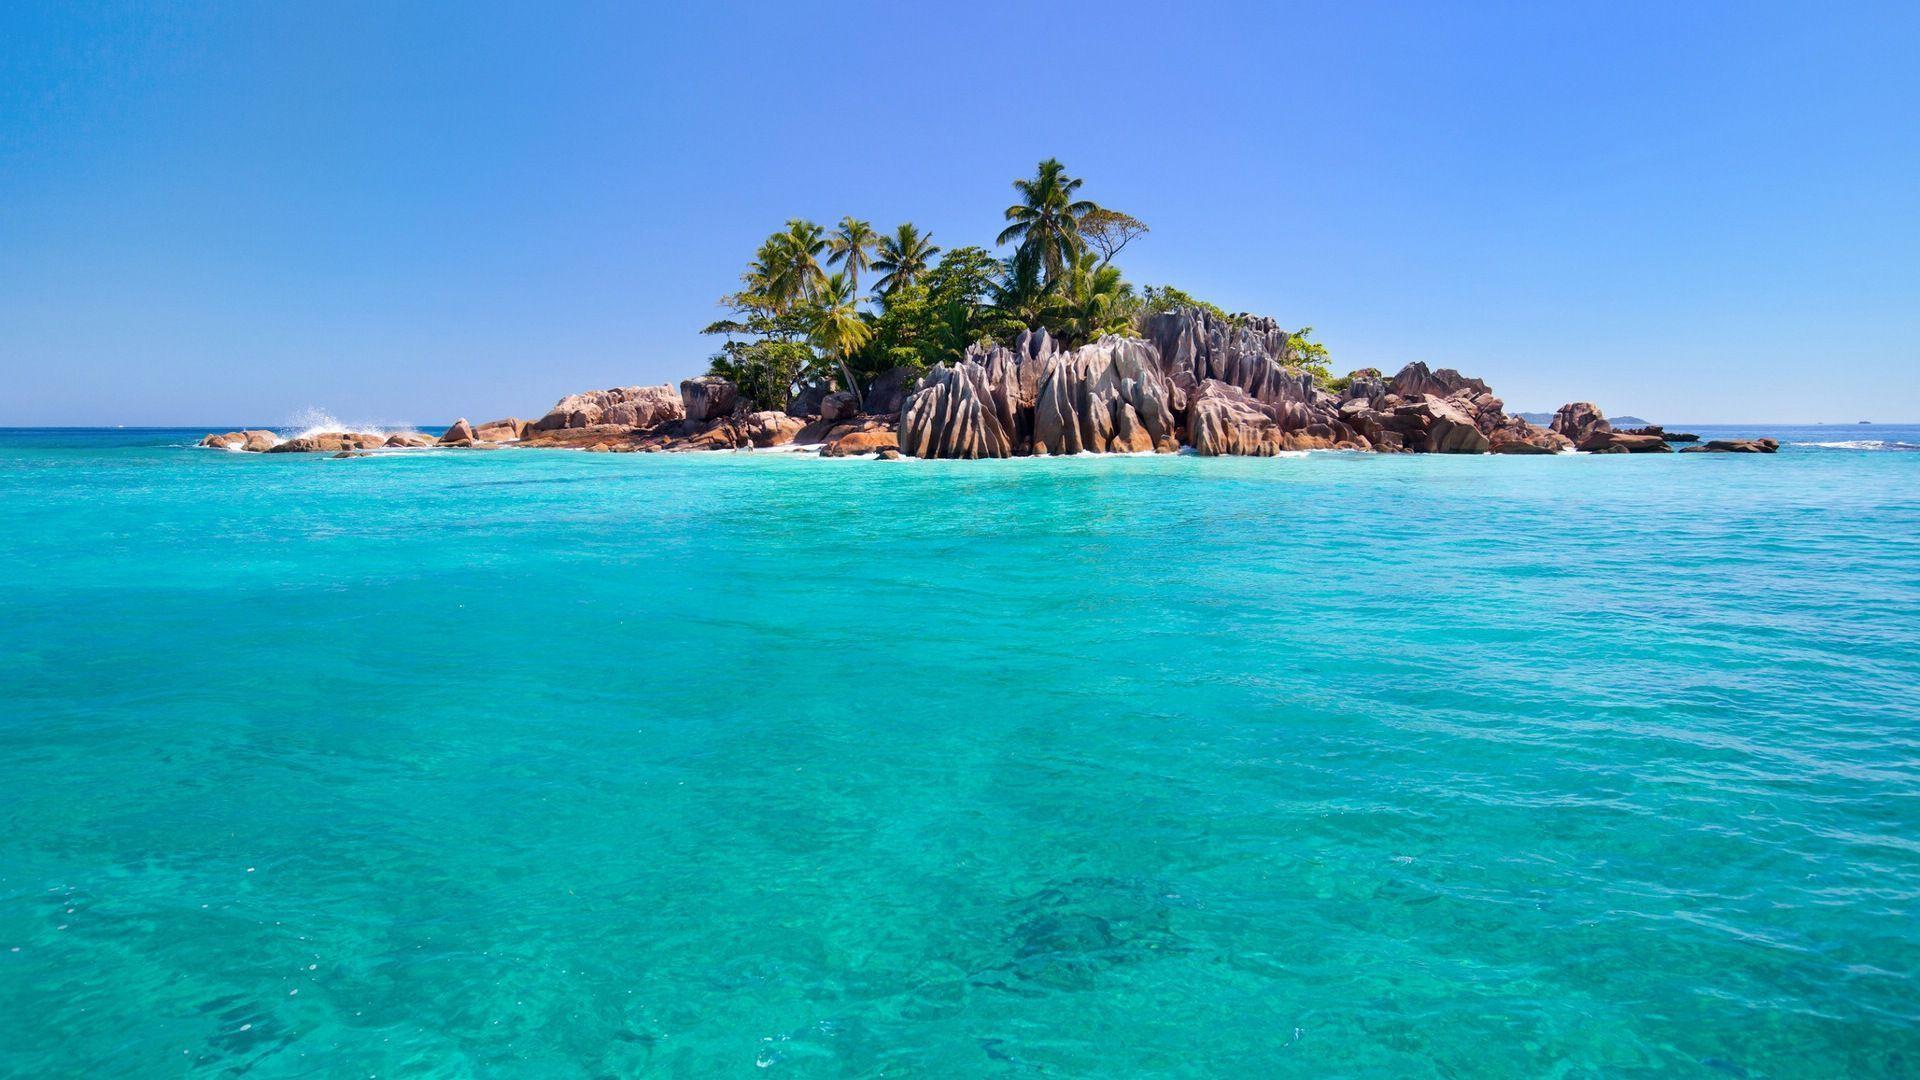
point(1735, 446)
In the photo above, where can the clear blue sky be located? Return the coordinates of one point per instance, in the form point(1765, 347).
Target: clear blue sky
point(227, 214)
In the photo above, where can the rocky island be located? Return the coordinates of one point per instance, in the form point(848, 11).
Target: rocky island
point(1046, 352)
point(1218, 387)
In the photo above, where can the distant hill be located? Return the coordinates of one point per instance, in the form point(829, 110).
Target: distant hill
point(1545, 418)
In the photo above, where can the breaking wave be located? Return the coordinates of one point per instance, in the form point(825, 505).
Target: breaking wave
point(1864, 444)
point(317, 421)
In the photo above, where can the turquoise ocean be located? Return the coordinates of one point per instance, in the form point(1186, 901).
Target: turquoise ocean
point(537, 763)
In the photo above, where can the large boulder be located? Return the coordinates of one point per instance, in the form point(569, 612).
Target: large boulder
point(624, 406)
point(887, 394)
point(1517, 436)
point(869, 436)
point(258, 442)
point(770, 428)
point(1224, 419)
point(807, 401)
point(708, 397)
point(1363, 385)
point(578, 438)
point(840, 405)
point(409, 440)
point(512, 429)
point(330, 442)
point(460, 432)
point(1439, 425)
point(1415, 379)
point(1619, 440)
point(1735, 446)
point(1578, 420)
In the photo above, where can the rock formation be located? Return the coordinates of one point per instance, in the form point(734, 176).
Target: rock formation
point(952, 415)
point(708, 397)
point(839, 405)
point(1578, 420)
point(513, 429)
point(807, 401)
point(1224, 419)
point(771, 428)
point(1222, 386)
point(257, 442)
point(331, 442)
point(625, 406)
point(1735, 446)
point(888, 392)
point(1107, 397)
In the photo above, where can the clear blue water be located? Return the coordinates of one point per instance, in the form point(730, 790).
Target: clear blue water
point(555, 764)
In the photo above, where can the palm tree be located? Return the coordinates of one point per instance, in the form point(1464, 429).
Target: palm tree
point(840, 328)
point(853, 243)
point(904, 256)
point(787, 268)
point(1022, 293)
point(1047, 217)
point(1094, 300)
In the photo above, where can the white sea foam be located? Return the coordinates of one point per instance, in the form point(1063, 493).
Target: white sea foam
point(314, 420)
point(1864, 444)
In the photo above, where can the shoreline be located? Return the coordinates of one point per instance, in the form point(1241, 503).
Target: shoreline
point(1186, 381)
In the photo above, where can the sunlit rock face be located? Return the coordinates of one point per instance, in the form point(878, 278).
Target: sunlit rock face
point(624, 406)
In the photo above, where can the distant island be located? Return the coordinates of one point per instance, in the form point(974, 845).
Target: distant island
point(1618, 421)
point(1048, 351)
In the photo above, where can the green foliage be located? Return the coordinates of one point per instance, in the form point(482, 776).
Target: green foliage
point(764, 370)
point(1046, 220)
point(793, 320)
point(934, 319)
point(852, 244)
point(1093, 301)
point(1157, 298)
point(1107, 231)
point(903, 258)
point(1022, 296)
point(1310, 355)
point(786, 270)
point(839, 328)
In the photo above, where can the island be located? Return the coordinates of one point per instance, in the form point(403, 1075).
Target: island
point(1048, 351)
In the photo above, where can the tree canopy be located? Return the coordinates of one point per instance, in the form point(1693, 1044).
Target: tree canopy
point(794, 322)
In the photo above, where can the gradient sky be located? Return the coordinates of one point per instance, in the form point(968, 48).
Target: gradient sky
point(224, 214)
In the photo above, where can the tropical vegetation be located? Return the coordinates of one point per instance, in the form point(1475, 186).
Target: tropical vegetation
point(799, 317)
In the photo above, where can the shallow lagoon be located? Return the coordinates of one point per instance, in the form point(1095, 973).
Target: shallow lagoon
point(563, 764)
